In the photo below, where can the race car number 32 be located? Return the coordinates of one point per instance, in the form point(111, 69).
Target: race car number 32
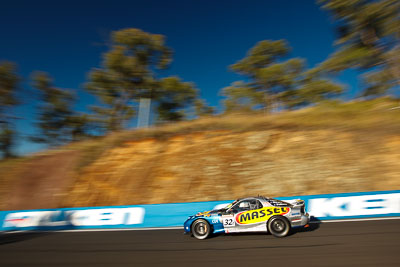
point(229, 221)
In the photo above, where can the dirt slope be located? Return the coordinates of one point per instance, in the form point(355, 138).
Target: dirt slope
point(351, 147)
point(41, 182)
point(223, 165)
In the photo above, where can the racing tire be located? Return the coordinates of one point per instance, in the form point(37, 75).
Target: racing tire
point(201, 229)
point(278, 226)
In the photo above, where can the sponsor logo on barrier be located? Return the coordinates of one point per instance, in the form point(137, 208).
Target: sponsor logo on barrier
point(324, 207)
point(34, 218)
point(260, 215)
point(355, 205)
point(87, 217)
point(110, 216)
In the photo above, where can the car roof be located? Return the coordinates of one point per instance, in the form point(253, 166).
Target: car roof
point(271, 201)
point(250, 198)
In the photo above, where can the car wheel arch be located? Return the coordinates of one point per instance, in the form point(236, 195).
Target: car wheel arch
point(285, 231)
point(211, 229)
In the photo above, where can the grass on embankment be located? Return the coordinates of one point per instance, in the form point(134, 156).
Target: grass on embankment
point(374, 118)
point(368, 119)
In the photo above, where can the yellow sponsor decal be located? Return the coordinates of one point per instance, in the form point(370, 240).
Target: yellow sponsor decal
point(205, 213)
point(260, 215)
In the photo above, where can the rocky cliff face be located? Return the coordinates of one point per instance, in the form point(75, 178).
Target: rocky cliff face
point(342, 147)
point(216, 165)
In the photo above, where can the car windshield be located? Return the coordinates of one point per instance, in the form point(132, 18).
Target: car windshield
point(231, 204)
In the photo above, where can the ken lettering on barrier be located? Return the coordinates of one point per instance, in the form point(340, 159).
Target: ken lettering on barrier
point(76, 218)
point(354, 206)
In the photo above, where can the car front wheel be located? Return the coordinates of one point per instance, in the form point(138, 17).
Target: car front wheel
point(278, 226)
point(201, 229)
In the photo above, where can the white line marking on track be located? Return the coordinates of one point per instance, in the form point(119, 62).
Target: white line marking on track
point(358, 220)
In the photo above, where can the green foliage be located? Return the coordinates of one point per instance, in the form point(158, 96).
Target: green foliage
point(145, 49)
point(368, 39)
point(379, 82)
point(364, 22)
point(241, 97)
point(116, 101)
point(9, 85)
point(268, 76)
point(58, 123)
point(173, 96)
point(310, 91)
point(274, 82)
point(127, 74)
point(202, 109)
point(349, 57)
point(262, 55)
point(80, 126)
point(7, 136)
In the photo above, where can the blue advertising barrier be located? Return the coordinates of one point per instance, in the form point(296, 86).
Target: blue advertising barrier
point(320, 207)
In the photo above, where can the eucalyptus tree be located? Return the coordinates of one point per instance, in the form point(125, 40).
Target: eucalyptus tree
point(274, 82)
point(368, 39)
point(9, 86)
point(58, 122)
point(127, 74)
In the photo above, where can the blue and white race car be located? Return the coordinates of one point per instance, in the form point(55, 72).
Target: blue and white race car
point(252, 214)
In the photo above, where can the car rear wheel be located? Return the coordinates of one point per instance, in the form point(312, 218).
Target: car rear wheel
point(278, 226)
point(201, 229)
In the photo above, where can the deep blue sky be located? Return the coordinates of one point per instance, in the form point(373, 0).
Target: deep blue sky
point(67, 39)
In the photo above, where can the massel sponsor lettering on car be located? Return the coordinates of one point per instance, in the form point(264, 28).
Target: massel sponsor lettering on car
point(260, 215)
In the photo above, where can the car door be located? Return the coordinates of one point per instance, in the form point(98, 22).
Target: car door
point(245, 216)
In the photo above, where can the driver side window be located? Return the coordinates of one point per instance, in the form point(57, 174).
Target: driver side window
point(241, 206)
point(246, 205)
point(255, 204)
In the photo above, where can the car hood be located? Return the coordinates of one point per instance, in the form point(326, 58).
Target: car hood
point(208, 213)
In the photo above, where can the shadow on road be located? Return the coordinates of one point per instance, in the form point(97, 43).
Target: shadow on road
point(312, 226)
point(13, 237)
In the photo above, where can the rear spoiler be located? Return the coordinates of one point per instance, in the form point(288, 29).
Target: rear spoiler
point(296, 202)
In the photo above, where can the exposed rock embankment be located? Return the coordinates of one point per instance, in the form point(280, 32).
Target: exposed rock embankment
point(224, 165)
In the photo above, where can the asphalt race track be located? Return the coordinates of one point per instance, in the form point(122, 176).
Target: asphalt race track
point(367, 243)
